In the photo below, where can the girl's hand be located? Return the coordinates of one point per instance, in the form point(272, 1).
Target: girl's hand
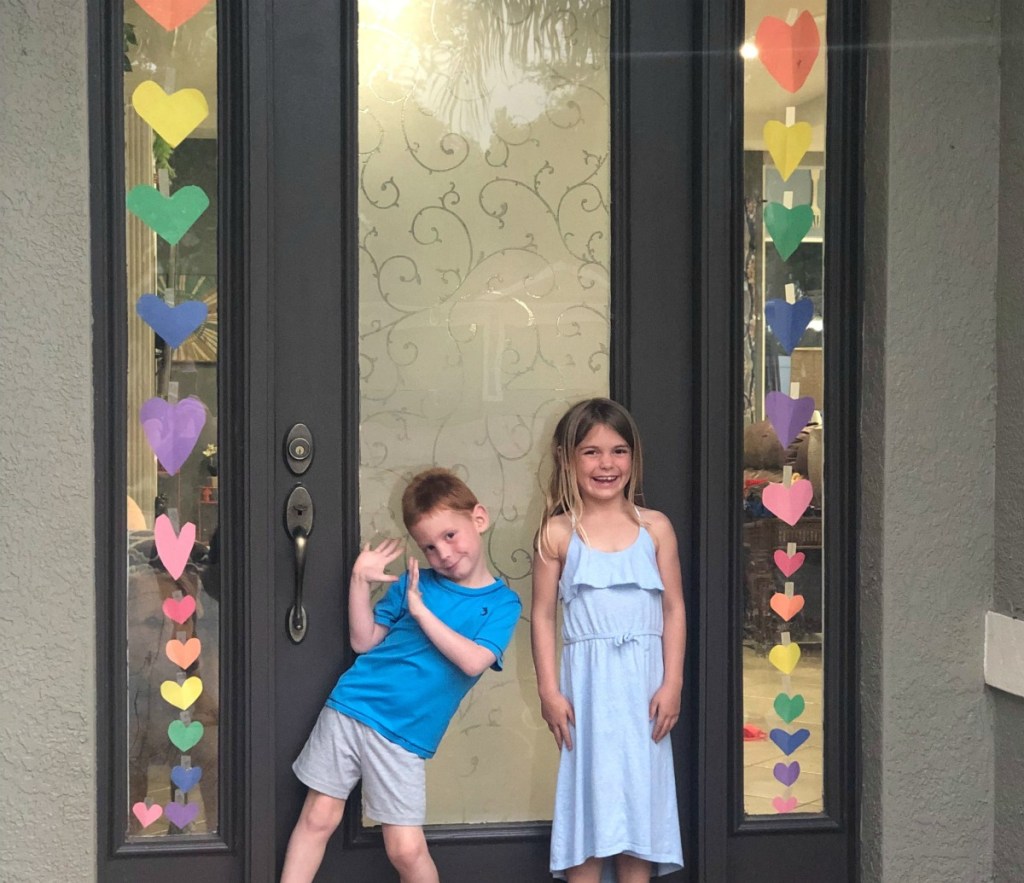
point(664, 711)
point(413, 595)
point(558, 715)
point(370, 564)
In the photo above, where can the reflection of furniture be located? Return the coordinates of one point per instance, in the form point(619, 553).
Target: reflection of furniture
point(761, 537)
point(206, 519)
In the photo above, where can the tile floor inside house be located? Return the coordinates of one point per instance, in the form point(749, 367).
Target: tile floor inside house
point(762, 682)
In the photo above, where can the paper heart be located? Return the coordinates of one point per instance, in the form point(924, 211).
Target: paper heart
point(181, 695)
point(789, 321)
point(787, 606)
point(788, 503)
point(169, 14)
point(183, 736)
point(169, 216)
point(181, 813)
point(179, 610)
point(183, 653)
point(186, 779)
point(787, 145)
point(147, 814)
point(787, 226)
point(787, 773)
point(173, 548)
point(789, 742)
point(788, 52)
point(789, 708)
point(784, 657)
point(174, 324)
point(172, 430)
point(173, 117)
point(784, 804)
point(788, 416)
point(788, 564)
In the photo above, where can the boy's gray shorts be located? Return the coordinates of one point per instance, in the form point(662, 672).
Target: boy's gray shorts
point(341, 750)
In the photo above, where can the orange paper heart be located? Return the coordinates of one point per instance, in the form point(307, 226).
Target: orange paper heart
point(787, 606)
point(788, 52)
point(171, 13)
point(183, 653)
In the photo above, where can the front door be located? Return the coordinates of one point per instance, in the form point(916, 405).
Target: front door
point(463, 234)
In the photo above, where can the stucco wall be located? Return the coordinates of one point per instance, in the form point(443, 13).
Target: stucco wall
point(929, 431)
point(47, 630)
point(1009, 577)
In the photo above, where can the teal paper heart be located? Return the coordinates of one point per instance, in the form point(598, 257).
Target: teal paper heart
point(169, 216)
point(184, 737)
point(787, 226)
point(789, 708)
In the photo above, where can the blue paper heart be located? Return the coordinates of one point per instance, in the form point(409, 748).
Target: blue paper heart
point(186, 779)
point(173, 324)
point(789, 742)
point(789, 321)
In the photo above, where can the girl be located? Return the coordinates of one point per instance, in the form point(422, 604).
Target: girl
point(615, 568)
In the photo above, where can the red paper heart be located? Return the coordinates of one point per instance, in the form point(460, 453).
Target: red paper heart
point(787, 606)
point(181, 610)
point(788, 564)
point(788, 52)
point(171, 13)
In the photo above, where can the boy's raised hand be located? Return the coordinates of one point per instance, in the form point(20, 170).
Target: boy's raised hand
point(371, 562)
point(412, 589)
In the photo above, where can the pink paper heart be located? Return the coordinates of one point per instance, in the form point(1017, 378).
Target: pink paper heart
point(787, 804)
point(171, 13)
point(181, 610)
point(787, 606)
point(788, 503)
point(788, 564)
point(147, 814)
point(173, 548)
point(788, 52)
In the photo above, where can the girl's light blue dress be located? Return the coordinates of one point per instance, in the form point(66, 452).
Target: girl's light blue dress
point(616, 788)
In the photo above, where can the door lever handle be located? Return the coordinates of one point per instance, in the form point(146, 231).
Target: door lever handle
point(298, 520)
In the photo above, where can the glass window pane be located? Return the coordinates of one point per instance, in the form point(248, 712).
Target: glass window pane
point(484, 308)
point(783, 406)
point(173, 590)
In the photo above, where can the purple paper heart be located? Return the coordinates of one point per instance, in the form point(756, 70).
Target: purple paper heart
point(789, 742)
point(787, 773)
point(787, 415)
point(789, 321)
point(181, 813)
point(186, 779)
point(172, 430)
point(173, 324)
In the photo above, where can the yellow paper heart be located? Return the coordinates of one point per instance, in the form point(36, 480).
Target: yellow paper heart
point(174, 116)
point(787, 145)
point(183, 695)
point(783, 656)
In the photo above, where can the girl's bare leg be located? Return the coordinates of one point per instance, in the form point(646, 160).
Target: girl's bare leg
point(407, 850)
point(588, 872)
point(630, 869)
point(319, 817)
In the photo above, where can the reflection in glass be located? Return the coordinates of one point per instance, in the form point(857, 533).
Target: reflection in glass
point(483, 307)
point(783, 406)
point(173, 590)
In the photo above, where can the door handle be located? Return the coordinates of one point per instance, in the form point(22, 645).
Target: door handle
point(298, 520)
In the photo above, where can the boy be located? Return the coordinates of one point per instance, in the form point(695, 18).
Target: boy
point(422, 647)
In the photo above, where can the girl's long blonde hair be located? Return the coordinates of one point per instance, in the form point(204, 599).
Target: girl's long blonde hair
point(563, 493)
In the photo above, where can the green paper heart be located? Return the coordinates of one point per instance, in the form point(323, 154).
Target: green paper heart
point(169, 216)
point(789, 708)
point(787, 226)
point(184, 737)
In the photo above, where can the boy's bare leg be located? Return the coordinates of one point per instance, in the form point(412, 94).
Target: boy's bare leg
point(630, 869)
point(407, 850)
point(319, 817)
point(588, 872)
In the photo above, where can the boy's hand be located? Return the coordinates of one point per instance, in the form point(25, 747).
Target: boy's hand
point(370, 564)
point(558, 715)
point(413, 595)
point(664, 710)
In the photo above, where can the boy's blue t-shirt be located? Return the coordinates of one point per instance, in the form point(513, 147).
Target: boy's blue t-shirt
point(405, 688)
